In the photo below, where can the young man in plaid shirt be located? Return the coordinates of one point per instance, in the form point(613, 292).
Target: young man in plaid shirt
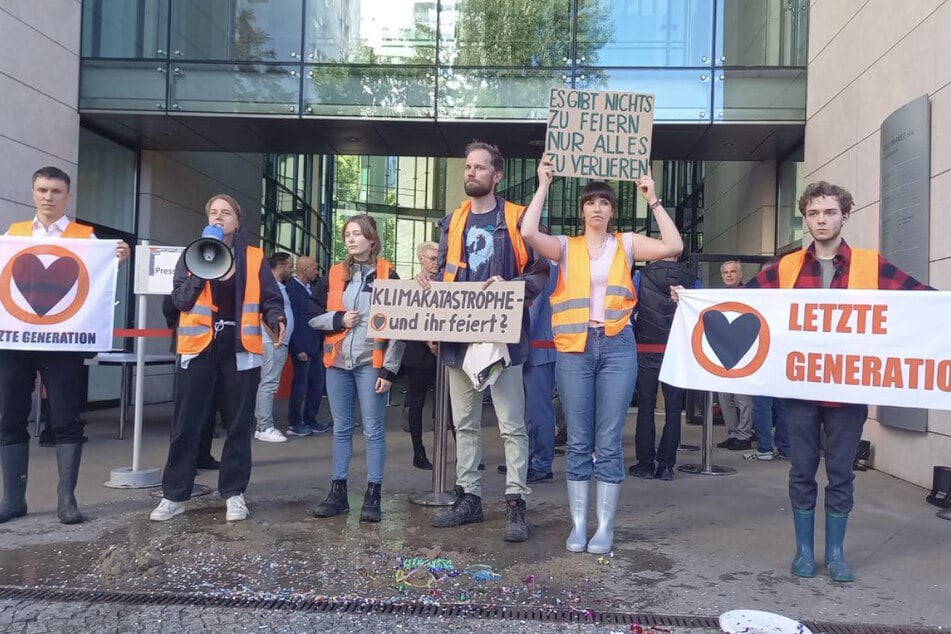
point(828, 263)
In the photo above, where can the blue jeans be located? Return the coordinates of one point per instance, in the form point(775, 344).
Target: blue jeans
point(843, 430)
point(539, 383)
point(307, 389)
point(596, 387)
point(344, 387)
point(769, 411)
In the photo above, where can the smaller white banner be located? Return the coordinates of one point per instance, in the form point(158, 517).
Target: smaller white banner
point(847, 346)
point(155, 269)
point(57, 294)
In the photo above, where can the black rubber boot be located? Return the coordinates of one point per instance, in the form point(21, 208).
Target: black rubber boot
point(15, 461)
point(67, 461)
point(371, 504)
point(336, 501)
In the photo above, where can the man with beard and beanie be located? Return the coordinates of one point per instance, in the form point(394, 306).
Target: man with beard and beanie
point(480, 242)
point(58, 370)
point(654, 314)
point(829, 262)
point(220, 348)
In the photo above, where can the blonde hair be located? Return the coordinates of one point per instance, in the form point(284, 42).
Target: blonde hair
point(228, 199)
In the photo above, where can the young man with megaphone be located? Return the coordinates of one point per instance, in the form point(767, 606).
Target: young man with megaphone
point(219, 336)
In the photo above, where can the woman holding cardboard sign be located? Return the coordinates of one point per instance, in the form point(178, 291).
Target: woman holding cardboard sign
point(596, 361)
point(357, 367)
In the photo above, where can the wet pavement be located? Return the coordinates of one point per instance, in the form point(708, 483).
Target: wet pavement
point(695, 546)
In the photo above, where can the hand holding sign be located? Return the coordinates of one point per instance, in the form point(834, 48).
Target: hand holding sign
point(599, 134)
point(545, 171)
point(645, 185)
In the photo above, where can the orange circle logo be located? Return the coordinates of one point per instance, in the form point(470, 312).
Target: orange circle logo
point(730, 341)
point(43, 287)
point(378, 322)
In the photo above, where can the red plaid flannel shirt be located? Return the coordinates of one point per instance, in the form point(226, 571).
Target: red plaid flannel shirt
point(890, 277)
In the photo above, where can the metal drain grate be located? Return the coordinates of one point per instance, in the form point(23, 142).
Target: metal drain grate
point(373, 606)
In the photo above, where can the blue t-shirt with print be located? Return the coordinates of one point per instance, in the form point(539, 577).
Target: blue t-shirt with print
point(480, 244)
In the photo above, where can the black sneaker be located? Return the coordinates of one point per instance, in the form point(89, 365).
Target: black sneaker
point(561, 437)
point(538, 476)
point(502, 468)
point(665, 473)
point(726, 443)
point(642, 470)
point(740, 445)
point(467, 509)
point(516, 530)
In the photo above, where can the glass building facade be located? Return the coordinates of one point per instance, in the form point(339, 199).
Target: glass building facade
point(324, 64)
point(706, 60)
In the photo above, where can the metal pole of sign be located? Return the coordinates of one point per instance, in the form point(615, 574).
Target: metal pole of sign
point(133, 477)
point(707, 467)
point(439, 496)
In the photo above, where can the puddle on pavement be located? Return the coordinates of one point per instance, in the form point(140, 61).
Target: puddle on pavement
point(283, 552)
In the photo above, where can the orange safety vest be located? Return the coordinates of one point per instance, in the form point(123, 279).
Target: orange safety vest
point(335, 286)
point(73, 230)
point(571, 300)
point(196, 327)
point(863, 269)
point(457, 226)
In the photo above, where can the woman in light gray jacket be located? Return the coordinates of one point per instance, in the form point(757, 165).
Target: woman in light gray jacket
point(357, 367)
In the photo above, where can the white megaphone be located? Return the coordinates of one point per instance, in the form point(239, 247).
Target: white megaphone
point(209, 257)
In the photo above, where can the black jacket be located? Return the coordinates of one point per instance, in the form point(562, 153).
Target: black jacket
point(186, 288)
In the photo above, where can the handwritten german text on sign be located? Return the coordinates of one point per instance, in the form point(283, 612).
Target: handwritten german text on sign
point(447, 311)
point(599, 134)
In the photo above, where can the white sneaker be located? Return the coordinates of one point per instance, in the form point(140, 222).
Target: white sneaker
point(166, 510)
point(272, 434)
point(237, 508)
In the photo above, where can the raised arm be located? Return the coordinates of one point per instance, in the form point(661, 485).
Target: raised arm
point(670, 243)
point(547, 246)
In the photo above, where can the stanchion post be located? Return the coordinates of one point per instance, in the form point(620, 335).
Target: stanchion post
point(707, 467)
point(439, 496)
point(134, 477)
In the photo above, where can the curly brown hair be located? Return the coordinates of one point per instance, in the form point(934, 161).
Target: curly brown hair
point(823, 188)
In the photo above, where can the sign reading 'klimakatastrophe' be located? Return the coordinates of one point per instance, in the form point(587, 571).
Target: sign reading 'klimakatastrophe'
point(599, 134)
point(457, 311)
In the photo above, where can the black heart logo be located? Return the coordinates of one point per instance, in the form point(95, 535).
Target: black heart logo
point(378, 321)
point(42, 286)
point(730, 341)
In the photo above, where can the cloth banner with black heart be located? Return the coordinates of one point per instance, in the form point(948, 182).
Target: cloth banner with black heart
point(831, 345)
point(57, 294)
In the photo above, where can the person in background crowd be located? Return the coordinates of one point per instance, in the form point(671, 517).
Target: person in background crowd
point(653, 316)
point(307, 387)
point(275, 356)
point(736, 408)
point(419, 363)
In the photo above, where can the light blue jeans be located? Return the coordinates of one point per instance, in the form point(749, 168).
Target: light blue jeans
point(596, 387)
point(344, 387)
point(272, 364)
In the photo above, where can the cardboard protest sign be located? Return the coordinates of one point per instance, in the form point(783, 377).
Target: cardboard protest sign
point(599, 134)
point(456, 311)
